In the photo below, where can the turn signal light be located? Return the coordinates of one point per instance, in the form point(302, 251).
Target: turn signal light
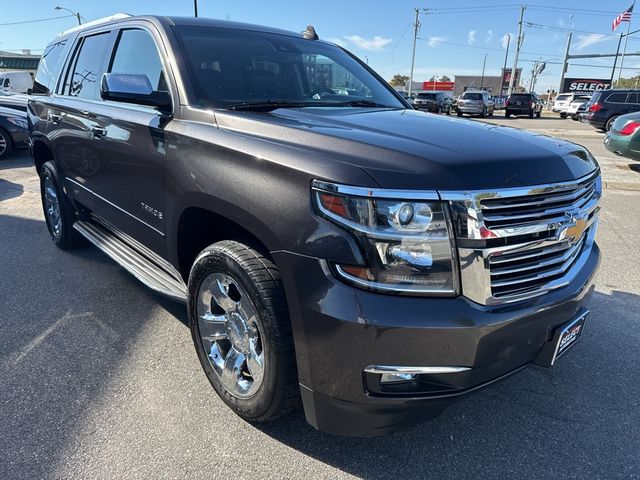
point(596, 107)
point(630, 128)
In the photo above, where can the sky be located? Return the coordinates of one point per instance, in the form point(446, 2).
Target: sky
point(453, 39)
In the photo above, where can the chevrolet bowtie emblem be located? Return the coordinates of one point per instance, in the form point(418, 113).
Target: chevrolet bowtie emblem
point(572, 230)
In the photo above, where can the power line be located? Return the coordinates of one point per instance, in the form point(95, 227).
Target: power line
point(35, 21)
point(445, 42)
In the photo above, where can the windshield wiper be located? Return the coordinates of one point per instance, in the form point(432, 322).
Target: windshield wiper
point(363, 103)
point(269, 105)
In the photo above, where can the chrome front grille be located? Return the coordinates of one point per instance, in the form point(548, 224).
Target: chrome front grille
point(549, 206)
point(530, 270)
point(519, 243)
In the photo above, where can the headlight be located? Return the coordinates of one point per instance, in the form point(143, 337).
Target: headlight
point(407, 241)
point(18, 122)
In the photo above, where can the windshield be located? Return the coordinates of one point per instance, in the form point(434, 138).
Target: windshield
point(472, 96)
point(230, 68)
point(429, 96)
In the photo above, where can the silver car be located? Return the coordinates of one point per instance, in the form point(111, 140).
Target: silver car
point(475, 103)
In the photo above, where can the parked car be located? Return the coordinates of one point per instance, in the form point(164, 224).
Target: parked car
point(523, 104)
point(17, 82)
point(561, 103)
point(352, 254)
point(14, 132)
point(434, 102)
point(475, 103)
point(607, 105)
point(16, 102)
point(574, 106)
point(623, 138)
point(580, 112)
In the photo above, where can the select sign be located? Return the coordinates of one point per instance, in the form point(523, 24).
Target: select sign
point(584, 85)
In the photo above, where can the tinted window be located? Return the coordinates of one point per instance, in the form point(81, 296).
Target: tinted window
point(49, 67)
point(563, 97)
point(240, 66)
point(521, 97)
point(136, 53)
point(428, 96)
point(632, 98)
point(617, 98)
point(472, 96)
point(84, 80)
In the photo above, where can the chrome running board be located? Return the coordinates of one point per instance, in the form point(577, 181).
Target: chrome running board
point(133, 261)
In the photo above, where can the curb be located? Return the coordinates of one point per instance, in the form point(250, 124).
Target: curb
point(616, 185)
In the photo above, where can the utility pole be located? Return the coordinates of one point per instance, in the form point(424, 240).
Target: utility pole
point(518, 45)
point(533, 76)
point(615, 60)
point(195, 8)
point(416, 28)
point(504, 68)
point(565, 62)
point(484, 64)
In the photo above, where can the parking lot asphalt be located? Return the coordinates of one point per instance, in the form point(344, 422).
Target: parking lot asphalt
point(99, 379)
point(618, 173)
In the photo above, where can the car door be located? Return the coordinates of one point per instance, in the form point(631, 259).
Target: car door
point(124, 171)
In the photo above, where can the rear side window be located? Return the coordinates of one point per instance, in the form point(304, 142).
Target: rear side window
point(632, 98)
point(88, 67)
point(617, 98)
point(136, 53)
point(49, 67)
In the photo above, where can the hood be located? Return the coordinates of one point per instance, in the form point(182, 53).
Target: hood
point(407, 149)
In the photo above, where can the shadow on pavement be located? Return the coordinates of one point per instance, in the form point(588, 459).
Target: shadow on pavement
point(10, 190)
point(19, 159)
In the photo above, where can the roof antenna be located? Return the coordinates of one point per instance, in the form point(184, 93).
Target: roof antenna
point(310, 33)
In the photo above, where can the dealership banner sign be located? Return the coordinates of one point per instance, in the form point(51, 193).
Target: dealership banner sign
point(584, 85)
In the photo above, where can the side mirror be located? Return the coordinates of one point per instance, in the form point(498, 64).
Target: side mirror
point(133, 88)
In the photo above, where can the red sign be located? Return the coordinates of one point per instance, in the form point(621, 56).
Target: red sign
point(438, 86)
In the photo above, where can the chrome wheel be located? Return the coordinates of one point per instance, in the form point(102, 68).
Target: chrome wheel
point(231, 334)
point(3, 144)
point(52, 206)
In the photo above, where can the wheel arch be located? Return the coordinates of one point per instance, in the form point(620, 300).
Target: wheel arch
point(198, 225)
point(41, 152)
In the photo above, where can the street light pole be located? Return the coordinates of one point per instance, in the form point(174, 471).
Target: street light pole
point(416, 27)
point(484, 64)
point(518, 45)
point(195, 8)
point(504, 68)
point(76, 14)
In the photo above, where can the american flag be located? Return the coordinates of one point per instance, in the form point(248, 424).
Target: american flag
point(623, 17)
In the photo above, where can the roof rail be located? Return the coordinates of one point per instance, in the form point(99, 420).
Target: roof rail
point(92, 23)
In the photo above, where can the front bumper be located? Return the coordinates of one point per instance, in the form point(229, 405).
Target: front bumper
point(339, 331)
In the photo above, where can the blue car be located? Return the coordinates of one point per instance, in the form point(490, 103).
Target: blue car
point(13, 131)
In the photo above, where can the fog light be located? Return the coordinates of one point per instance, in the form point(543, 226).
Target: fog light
point(387, 378)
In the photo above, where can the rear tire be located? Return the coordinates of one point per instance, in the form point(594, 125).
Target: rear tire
point(483, 113)
point(609, 123)
point(531, 114)
point(563, 115)
point(539, 114)
point(237, 308)
point(459, 113)
point(507, 114)
point(58, 211)
point(6, 144)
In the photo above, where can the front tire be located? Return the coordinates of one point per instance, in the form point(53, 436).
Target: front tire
point(241, 331)
point(59, 214)
point(6, 145)
point(459, 113)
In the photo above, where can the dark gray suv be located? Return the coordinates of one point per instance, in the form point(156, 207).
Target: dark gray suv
point(343, 251)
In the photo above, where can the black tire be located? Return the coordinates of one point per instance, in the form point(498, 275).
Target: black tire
point(531, 113)
point(539, 114)
point(448, 112)
point(507, 114)
point(459, 113)
point(607, 126)
point(6, 144)
point(483, 113)
point(563, 115)
point(65, 237)
point(279, 392)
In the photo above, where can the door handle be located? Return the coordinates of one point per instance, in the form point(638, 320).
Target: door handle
point(98, 132)
point(55, 118)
